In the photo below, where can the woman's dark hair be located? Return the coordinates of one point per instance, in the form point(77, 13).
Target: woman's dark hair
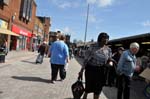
point(101, 35)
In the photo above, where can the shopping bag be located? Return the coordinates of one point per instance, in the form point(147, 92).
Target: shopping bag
point(66, 66)
point(77, 89)
point(65, 71)
point(39, 59)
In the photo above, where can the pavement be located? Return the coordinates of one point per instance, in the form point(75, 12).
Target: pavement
point(15, 55)
point(21, 78)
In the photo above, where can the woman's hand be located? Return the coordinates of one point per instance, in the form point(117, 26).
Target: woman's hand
point(110, 63)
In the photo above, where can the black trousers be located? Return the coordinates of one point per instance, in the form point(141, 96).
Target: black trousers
point(55, 68)
point(123, 87)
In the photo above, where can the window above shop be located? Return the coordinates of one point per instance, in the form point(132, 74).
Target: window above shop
point(26, 10)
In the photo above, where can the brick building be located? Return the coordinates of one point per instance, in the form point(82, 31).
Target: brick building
point(18, 16)
point(38, 31)
point(46, 24)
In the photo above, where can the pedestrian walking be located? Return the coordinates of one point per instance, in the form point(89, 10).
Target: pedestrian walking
point(34, 47)
point(126, 67)
point(46, 50)
point(59, 57)
point(117, 54)
point(97, 58)
point(41, 52)
point(70, 53)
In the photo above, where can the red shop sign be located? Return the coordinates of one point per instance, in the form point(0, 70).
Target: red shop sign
point(18, 30)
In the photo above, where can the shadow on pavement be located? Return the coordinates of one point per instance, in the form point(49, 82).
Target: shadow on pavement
point(38, 79)
point(1, 92)
point(28, 62)
point(68, 98)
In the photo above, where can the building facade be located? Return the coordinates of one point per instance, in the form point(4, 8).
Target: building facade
point(46, 24)
point(20, 17)
point(38, 31)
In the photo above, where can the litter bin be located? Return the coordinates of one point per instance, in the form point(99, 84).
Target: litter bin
point(2, 55)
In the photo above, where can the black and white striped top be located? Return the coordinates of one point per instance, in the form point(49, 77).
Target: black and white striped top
point(98, 56)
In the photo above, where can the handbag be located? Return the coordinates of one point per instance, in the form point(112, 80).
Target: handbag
point(77, 89)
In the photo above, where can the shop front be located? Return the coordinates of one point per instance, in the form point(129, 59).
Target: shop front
point(24, 40)
point(5, 33)
point(3, 27)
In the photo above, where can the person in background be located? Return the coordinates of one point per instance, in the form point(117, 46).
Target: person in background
point(42, 48)
point(117, 55)
point(33, 47)
point(59, 54)
point(126, 67)
point(3, 51)
point(46, 50)
point(70, 53)
point(95, 64)
point(41, 52)
point(116, 58)
point(144, 61)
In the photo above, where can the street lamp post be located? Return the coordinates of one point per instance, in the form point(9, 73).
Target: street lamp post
point(86, 25)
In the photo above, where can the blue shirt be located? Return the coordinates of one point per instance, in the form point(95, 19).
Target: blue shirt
point(127, 63)
point(59, 53)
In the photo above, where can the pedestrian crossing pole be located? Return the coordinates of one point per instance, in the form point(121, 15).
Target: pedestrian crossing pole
point(86, 25)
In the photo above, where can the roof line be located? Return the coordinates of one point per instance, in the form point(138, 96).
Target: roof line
point(131, 37)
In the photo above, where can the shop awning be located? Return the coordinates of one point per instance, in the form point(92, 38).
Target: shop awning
point(8, 32)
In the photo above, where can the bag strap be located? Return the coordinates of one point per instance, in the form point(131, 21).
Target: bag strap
point(89, 57)
point(79, 78)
